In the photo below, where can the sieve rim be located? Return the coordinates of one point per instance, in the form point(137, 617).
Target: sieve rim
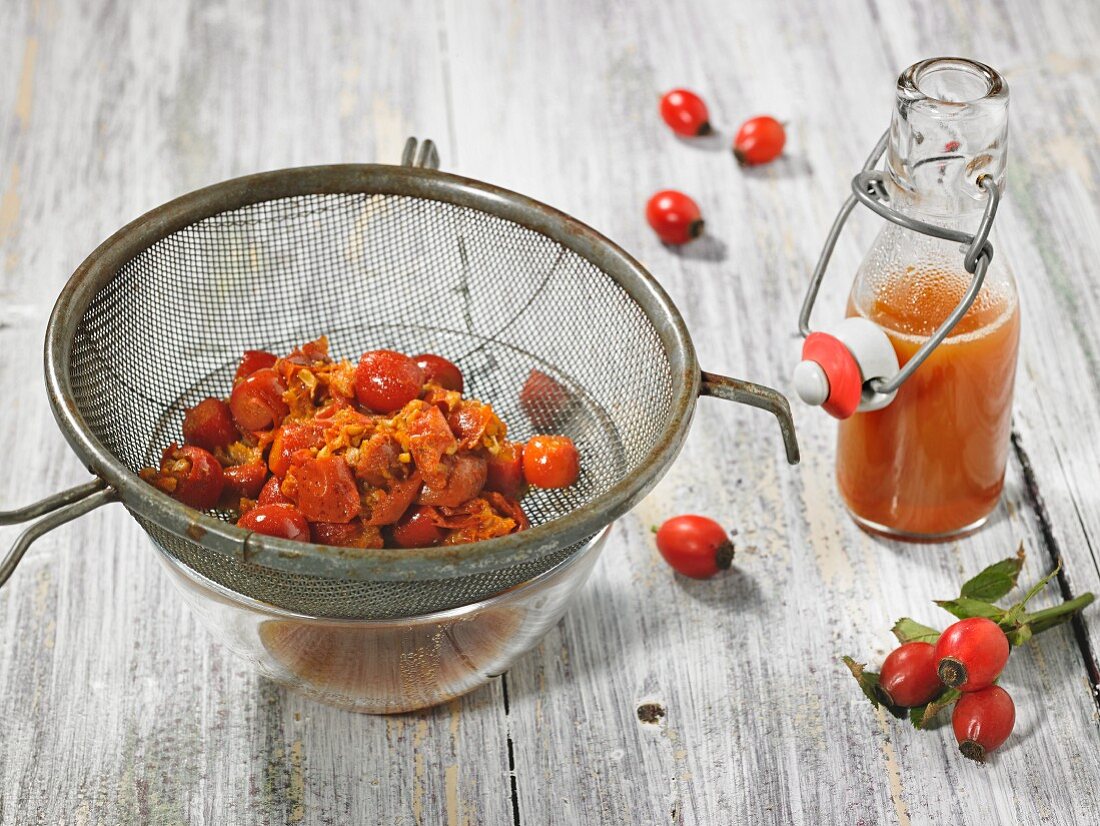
point(224, 538)
point(215, 590)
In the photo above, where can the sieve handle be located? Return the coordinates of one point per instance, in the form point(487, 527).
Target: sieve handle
point(56, 510)
point(756, 395)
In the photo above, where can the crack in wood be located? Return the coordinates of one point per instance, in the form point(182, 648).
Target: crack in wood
point(511, 752)
point(1034, 499)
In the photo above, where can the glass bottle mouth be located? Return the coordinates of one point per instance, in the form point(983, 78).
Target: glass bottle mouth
point(951, 82)
point(948, 131)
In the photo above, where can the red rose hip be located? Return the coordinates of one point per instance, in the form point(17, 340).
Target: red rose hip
point(971, 653)
point(506, 471)
point(417, 529)
point(695, 546)
point(271, 493)
point(209, 425)
point(191, 475)
point(551, 461)
point(284, 521)
point(440, 371)
point(674, 217)
point(385, 381)
point(982, 721)
point(257, 400)
point(908, 675)
point(254, 360)
point(759, 140)
point(545, 401)
point(246, 480)
point(325, 490)
point(685, 113)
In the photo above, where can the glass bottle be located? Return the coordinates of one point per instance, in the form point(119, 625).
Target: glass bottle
point(930, 464)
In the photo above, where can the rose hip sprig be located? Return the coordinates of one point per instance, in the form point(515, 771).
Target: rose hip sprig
point(933, 669)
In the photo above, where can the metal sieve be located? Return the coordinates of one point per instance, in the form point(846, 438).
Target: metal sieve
point(403, 257)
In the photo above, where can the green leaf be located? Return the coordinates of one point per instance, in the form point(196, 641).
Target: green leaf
point(966, 607)
point(921, 716)
point(908, 630)
point(868, 680)
point(996, 580)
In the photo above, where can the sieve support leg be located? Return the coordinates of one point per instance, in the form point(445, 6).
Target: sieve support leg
point(755, 395)
point(56, 510)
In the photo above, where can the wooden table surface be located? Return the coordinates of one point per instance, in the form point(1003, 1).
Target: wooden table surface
point(115, 707)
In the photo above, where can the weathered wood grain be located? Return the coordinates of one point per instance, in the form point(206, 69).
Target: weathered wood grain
point(116, 707)
point(766, 727)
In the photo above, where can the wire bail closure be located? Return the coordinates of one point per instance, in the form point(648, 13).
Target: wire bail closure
point(868, 188)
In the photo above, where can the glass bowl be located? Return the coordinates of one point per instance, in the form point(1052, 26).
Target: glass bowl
point(388, 666)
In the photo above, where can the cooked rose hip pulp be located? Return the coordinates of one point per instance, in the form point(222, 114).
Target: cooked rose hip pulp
point(384, 451)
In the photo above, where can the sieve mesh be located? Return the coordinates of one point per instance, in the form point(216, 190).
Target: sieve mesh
point(373, 270)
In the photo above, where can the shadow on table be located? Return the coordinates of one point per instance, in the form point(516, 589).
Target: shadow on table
point(705, 248)
point(785, 166)
point(734, 591)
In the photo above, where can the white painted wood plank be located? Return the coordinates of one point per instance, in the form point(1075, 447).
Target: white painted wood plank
point(762, 723)
point(115, 706)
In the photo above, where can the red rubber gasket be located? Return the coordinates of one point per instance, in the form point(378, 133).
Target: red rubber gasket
point(845, 379)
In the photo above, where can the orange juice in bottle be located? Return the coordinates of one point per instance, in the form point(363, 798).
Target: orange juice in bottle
point(931, 463)
point(924, 459)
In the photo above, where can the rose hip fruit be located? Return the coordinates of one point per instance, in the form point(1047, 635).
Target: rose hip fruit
point(674, 217)
point(245, 480)
point(908, 676)
point(252, 361)
point(551, 461)
point(209, 425)
point(283, 521)
point(271, 493)
point(982, 721)
point(506, 471)
point(685, 113)
point(759, 140)
point(385, 381)
point(695, 546)
point(257, 400)
point(971, 653)
point(417, 529)
point(192, 475)
point(440, 371)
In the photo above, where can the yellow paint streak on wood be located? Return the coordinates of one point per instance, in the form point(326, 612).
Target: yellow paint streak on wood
point(893, 771)
point(451, 785)
point(456, 716)
point(1062, 64)
point(390, 130)
point(1071, 156)
point(24, 95)
point(821, 514)
point(419, 735)
point(297, 786)
point(349, 81)
point(41, 592)
point(9, 205)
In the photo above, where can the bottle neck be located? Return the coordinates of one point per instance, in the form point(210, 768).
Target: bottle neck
point(949, 129)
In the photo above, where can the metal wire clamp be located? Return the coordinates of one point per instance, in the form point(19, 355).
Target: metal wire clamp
point(868, 188)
